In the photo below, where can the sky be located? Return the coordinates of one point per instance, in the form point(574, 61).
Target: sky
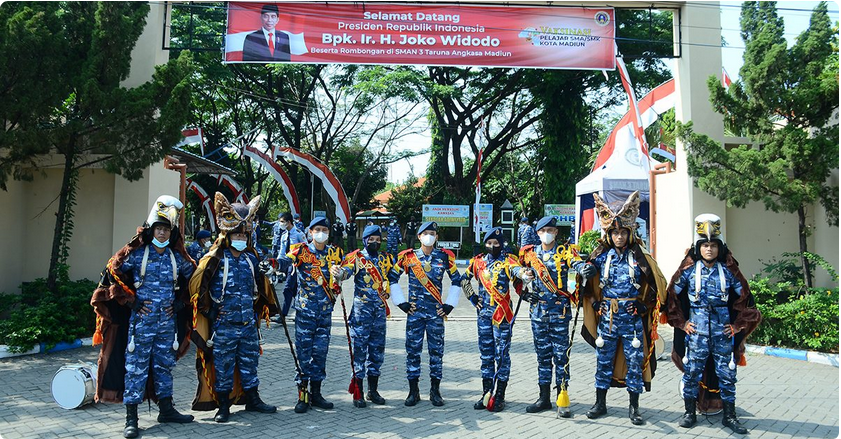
point(795, 13)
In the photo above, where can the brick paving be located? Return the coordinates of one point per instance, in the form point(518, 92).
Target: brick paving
point(776, 397)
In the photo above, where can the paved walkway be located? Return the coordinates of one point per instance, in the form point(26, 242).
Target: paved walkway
point(776, 397)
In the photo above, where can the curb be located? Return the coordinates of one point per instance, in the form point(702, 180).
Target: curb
point(795, 354)
point(41, 348)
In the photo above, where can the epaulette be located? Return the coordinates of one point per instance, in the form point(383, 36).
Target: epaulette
point(405, 252)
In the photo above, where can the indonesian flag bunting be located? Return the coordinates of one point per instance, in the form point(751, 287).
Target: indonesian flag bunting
point(639, 131)
point(278, 174)
point(233, 186)
point(192, 136)
point(206, 202)
point(328, 179)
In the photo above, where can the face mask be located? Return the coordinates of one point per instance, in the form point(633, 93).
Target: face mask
point(239, 245)
point(547, 238)
point(283, 225)
point(160, 244)
point(427, 240)
point(373, 247)
point(319, 237)
point(207, 244)
point(494, 251)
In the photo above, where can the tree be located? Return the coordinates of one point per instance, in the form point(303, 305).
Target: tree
point(85, 115)
point(784, 100)
point(407, 200)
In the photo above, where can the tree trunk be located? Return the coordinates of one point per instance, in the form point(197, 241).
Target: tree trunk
point(803, 232)
point(58, 231)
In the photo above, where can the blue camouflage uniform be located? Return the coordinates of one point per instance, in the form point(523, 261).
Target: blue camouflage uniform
point(277, 232)
point(153, 333)
point(615, 322)
point(393, 239)
point(288, 238)
point(551, 315)
point(196, 251)
point(313, 306)
point(368, 315)
point(235, 338)
point(494, 334)
point(425, 319)
point(708, 310)
point(526, 235)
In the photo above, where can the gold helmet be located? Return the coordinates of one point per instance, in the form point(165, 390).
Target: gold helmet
point(623, 218)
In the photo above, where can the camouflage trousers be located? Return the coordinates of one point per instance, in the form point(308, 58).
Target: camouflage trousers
point(699, 348)
point(312, 340)
point(153, 353)
point(551, 341)
point(622, 331)
point(416, 326)
point(494, 345)
point(235, 345)
point(367, 330)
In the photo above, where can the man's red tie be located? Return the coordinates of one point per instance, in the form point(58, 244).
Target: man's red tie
point(271, 44)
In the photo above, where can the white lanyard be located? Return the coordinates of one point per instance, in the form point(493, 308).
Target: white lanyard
point(146, 262)
point(722, 282)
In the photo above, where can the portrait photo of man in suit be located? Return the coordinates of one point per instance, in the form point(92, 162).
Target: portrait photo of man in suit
point(267, 43)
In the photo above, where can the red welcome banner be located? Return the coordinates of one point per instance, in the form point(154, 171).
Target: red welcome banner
point(422, 34)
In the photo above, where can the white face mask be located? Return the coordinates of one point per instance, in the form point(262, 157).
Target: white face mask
point(207, 244)
point(427, 240)
point(320, 237)
point(239, 245)
point(547, 238)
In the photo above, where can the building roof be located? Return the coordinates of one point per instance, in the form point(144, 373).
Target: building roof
point(197, 164)
point(382, 197)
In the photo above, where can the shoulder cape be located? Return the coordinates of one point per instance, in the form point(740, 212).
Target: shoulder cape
point(111, 301)
point(652, 294)
point(265, 306)
point(743, 314)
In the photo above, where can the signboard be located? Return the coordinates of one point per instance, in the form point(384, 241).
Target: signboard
point(421, 34)
point(446, 215)
point(449, 245)
point(564, 212)
point(482, 219)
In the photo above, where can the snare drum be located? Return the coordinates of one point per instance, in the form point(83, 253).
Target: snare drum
point(74, 385)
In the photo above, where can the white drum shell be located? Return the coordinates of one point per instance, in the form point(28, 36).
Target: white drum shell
point(74, 385)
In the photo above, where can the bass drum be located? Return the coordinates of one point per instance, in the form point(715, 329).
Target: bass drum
point(74, 385)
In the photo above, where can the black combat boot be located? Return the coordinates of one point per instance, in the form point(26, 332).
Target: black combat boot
point(689, 419)
point(542, 403)
point(634, 409)
point(499, 397)
point(131, 429)
point(167, 412)
point(414, 393)
point(224, 408)
point(435, 392)
point(315, 396)
point(599, 409)
point(730, 420)
point(253, 403)
point(303, 403)
point(373, 395)
point(360, 403)
point(487, 386)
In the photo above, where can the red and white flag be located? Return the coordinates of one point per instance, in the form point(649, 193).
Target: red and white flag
point(192, 136)
point(639, 132)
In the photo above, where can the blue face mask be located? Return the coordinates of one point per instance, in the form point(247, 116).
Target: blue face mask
point(160, 244)
point(239, 245)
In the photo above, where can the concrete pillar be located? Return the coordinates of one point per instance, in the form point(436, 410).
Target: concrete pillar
point(678, 200)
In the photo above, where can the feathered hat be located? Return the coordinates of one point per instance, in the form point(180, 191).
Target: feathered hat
point(231, 217)
point(165, 211)
point(624, 217)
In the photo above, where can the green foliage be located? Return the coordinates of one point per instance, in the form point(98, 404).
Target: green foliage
point(406, 201)
point(788, 271)
point(350, 164)
point(805, 322)
point(588, 241)
point(36, 315)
